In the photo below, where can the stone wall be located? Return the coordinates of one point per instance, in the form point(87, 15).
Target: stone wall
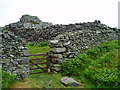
point(67, 40)
point(37, 34)
point(12, 49)
point(69, 44)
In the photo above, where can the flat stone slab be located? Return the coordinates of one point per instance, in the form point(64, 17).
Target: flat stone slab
point(58, 50)
point(69, 81)
point(54, 41)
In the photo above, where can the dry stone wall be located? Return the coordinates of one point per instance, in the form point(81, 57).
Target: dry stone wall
point(12, 49)
point(48, 31)
point(69, 44)
point(30, 28)
point(66, 41)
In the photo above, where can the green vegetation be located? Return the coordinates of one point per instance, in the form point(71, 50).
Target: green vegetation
point(30, 44)
point(5, 29)
point(45, 80)
point(96, 67)
point(36, 49)
point(42, 44)
point(33, 22)
point(8, 79)
point(26, 15)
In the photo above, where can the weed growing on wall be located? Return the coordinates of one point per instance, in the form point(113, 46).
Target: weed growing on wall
point(5, 29)
point(25, 15)
point(42, 44)
point(8, 79)
point(31, 43)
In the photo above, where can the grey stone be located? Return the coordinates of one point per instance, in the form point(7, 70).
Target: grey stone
point(58, 50)
point(21, 47)
point(20, 66)
point(60, 37)
point(7, 61)
point(15, 72)
point(58, 55)
point(32, 22)
point(12, 68)
point(57, 67)
point(54, 61)
point(98, 32)
point(15, 63)
point(30, 19)
point(24, 60)
point(25, 52)
point(11, 59)
point(69, 81)
point(27, 25)
point(12, 56)
point(66, 43)
point(11, 33)
point(109, 31)
point(37, 26)
point(54, 41)
point(57, 60)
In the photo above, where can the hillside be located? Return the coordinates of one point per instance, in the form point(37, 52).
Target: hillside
point(87, 52)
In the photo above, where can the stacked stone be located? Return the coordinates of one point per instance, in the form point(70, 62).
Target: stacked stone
point(29, 22)
point(12, 51)
point(50, 31)
point(69, 44)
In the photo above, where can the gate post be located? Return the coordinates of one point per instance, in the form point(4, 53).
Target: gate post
point(49, 59)
point(48, 62)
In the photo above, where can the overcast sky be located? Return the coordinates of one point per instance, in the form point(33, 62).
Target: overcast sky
point(61, 11)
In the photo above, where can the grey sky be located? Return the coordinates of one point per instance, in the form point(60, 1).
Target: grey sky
point(61, 11)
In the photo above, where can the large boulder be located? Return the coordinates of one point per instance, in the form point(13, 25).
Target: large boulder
point(69, 81)
point(29, 18)
point(29, 22)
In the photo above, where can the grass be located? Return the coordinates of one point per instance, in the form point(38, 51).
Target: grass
point(44, 80)
point(47, 80)
point(23, 84)
point(5, 29)
point(37, 50)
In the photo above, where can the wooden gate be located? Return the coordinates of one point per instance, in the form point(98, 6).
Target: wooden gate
point(39, 64)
